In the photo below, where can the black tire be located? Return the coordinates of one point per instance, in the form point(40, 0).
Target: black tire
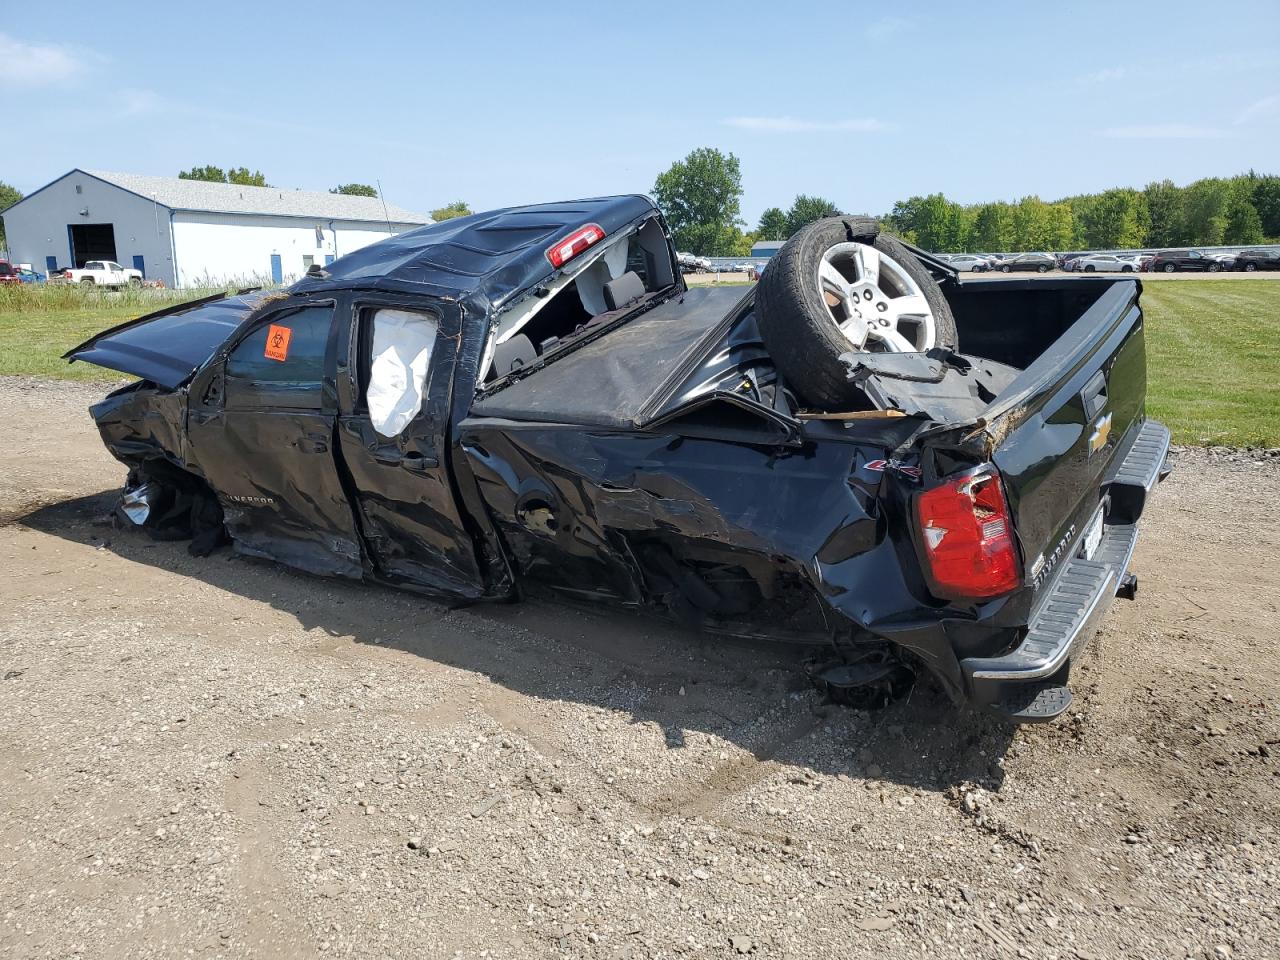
point(1126, 269)
point(1005, 269)
point(135, 282)
point(1169, 268)
point(794, 320)
point(1250, 268)
point(1090, 268)
point(87, 281)
point(1042, 269)
point(1214, 268)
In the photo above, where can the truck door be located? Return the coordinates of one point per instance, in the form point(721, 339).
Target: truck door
point(261, 428)
point(394, 432)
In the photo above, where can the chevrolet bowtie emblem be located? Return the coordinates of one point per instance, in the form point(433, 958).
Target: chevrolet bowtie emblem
point(1101, 431)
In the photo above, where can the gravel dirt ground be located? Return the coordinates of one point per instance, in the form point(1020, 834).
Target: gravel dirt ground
point(220, 757)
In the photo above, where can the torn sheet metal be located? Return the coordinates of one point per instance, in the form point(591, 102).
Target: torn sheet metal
point(136, 504)
point(938, 385)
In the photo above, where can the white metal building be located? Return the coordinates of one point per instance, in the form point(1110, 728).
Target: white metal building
point(190, 232)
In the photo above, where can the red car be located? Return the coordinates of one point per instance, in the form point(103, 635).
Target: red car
point(9, 273)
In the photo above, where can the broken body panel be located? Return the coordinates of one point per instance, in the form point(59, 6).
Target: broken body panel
point(651, 457)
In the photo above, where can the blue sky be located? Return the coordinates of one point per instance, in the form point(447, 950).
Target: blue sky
point(517, 102)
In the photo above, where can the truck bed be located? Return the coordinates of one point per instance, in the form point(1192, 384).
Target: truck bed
point(612, 380)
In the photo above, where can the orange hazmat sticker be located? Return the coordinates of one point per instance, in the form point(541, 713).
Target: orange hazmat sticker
point(277, 347)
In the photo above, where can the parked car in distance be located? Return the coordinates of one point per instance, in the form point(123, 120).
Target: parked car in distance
point(27, 275)
point(1221, 261)
point(1091, 263)
point(692, 264)
point(1036, 262)
point(971, 262)
point(1172, 261)
point(104, 273)
point(9, 273)
point(1253, 260)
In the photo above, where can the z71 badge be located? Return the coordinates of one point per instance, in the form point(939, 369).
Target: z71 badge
point(897, 466)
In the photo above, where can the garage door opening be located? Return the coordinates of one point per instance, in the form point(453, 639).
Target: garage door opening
point(92, 241)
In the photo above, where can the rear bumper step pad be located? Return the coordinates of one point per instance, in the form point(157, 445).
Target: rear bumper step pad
point(1028, 683)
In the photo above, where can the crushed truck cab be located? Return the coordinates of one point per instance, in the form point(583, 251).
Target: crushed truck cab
point(532, 401)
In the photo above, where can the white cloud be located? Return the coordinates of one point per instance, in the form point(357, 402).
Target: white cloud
point(1259, 110)
point(1164, 131)
point(35, 64)
point(796, 125)
point(1106, 75)
point(887, 27)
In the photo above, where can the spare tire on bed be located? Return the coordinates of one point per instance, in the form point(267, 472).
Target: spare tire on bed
point(840, 286)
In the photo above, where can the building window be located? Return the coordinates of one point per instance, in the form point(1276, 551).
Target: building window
point(307, 261)
point(79, 189)
point(319, 237)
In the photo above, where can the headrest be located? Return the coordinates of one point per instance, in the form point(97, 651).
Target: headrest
point(626, 289)
point(514, 354)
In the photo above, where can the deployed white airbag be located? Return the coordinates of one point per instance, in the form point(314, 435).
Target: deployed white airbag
point(402, 343)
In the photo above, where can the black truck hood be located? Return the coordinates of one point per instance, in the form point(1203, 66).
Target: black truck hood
point(167, 347)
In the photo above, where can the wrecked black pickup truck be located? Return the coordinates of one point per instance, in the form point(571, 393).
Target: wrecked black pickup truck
point(912, 473)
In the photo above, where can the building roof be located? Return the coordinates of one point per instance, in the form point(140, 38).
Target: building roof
point(200, 195)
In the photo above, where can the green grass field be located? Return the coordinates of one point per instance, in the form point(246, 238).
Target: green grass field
point(1213, 360)
point(1213, 350)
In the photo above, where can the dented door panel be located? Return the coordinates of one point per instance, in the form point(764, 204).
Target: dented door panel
point(741, 539)
point(402, 486)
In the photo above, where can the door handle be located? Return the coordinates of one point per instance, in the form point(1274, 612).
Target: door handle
point(1094, 394)
point(311, 445)
point(419, 463)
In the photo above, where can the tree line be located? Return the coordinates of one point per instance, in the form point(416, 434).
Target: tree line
point(1214, 211)
point(701, 194)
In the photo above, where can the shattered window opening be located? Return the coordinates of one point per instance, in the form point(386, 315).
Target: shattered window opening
point(399, 367)
point(570, 302)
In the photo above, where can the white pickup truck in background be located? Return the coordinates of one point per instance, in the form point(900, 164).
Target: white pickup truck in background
point(103, 273)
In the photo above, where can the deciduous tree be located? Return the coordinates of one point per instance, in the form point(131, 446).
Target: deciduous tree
point(1266, 200)
point(1164, 211)
point(701, 198)
point(1111, 219)
point(355, 190)
point(458, 208)
point(1205, 211)
point(9, 195)
point(806, 210)
point(1243, 223)
point(992, 228)
point(773, 225)
point(237, 175)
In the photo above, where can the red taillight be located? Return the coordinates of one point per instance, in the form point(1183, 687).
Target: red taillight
point(968, 536)
point(565, 250)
